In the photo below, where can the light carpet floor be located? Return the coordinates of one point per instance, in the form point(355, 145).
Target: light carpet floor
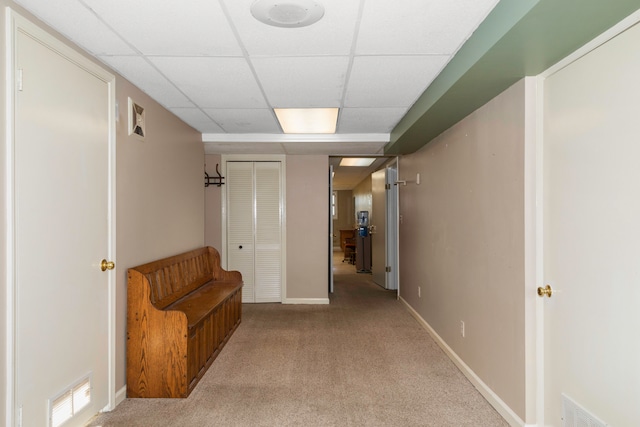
point(360, 361)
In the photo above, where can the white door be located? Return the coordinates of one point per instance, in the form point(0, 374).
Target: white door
point(61, 196)
point(241, 224)
point(254, 228)
point(332, 202)
point(392, 224)
point(378, 227)
point(268, 211)
point(592, 236)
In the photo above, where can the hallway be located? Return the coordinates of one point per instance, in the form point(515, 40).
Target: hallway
point(362, 360)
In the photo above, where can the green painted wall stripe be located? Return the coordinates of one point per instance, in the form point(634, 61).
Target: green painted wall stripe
point(488, 64)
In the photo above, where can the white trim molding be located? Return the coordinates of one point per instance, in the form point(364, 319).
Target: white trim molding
point(121, 395)
point(309, 301)
point(499, 405)
point(262, 137)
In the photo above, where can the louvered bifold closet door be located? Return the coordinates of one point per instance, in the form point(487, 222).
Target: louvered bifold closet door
point(240, 224)
point(268, 235)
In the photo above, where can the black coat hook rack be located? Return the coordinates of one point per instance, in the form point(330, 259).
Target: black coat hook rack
point(218, 181)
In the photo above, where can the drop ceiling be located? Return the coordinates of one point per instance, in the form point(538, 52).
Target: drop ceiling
point(401, 72)
point(222, 71)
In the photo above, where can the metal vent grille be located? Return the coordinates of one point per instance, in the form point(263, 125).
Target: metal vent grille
point(69, 402)
point(574, 415)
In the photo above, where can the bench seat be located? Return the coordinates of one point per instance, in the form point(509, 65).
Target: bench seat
point(201, 302)
point(181, 311)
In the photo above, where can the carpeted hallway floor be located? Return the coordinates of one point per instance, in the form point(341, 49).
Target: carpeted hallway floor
point(360, 361)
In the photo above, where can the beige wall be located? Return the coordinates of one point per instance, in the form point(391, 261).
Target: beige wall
point(307, 227)
point(362, 194)
point(213, 205)
point(307, 195)
point(346, 216)
point(462, 241)
point(160, 195)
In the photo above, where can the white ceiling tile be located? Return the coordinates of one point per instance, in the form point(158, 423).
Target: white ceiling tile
point(302, 81)
point(245, 120)
point(375, 120)
point(142, 74)
point(78, 24)
point(195, 62)
point(197, 120)
point(213, 82)
point(165, 27)
point(332, 35)
point(419, 26)
point(391, 81)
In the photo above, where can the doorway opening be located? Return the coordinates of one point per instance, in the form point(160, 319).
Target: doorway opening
point(364, 222)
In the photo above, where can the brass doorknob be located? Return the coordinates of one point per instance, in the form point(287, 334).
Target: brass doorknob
point(545, 291)
point(107, 265)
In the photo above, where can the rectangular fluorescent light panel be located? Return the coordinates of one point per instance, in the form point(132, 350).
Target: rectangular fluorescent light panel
point(307, 120)
point(357, 161)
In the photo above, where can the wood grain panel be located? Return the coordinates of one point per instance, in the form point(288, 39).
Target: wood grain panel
point(178, 320)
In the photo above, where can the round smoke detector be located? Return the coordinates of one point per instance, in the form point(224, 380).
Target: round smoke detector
point(287, 13)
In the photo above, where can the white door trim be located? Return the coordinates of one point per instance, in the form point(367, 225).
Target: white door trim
point(392, 227)
point(283, 182)
point(13, 24)
point(612, 32)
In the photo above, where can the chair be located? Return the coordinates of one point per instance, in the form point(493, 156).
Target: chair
point(349, 250)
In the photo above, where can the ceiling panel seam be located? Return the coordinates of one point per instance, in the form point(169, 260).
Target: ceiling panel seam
point(247, 58)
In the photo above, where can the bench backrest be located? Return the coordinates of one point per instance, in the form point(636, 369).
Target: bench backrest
point(172, 278)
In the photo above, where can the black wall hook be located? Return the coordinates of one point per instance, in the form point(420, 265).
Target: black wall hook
point(218, 181)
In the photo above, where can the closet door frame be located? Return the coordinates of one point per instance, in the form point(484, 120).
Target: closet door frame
point(223, 217)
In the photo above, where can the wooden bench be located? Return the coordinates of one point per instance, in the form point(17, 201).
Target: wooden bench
point(181, 311)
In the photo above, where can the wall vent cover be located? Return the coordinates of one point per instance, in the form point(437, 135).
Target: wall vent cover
point(574, 415)
point(136, 120)
point(69, 402)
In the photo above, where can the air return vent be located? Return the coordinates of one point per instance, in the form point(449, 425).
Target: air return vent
point(136, 120)
point(69, 402)
point(574, 415)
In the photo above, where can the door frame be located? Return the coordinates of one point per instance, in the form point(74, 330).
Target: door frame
point(375, 223)
point(392, 246)
point(538, 222)
point(331, 231)
point(224, 158)
point(15, 23)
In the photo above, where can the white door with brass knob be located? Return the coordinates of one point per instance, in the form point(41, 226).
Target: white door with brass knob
point(62, 196)
point(592, 235)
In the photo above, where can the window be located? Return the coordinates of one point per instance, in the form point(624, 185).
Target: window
point(334, 204)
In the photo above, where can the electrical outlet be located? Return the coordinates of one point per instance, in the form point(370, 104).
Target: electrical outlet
point(419, 292)
point(462, 328)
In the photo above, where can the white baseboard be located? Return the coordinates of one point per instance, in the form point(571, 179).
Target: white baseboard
point(499, 405)
point(121, 395)
point(306, 301)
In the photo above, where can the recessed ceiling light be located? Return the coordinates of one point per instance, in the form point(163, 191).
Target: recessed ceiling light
point(307, 120)
point(288, 13)
point(357, 161)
